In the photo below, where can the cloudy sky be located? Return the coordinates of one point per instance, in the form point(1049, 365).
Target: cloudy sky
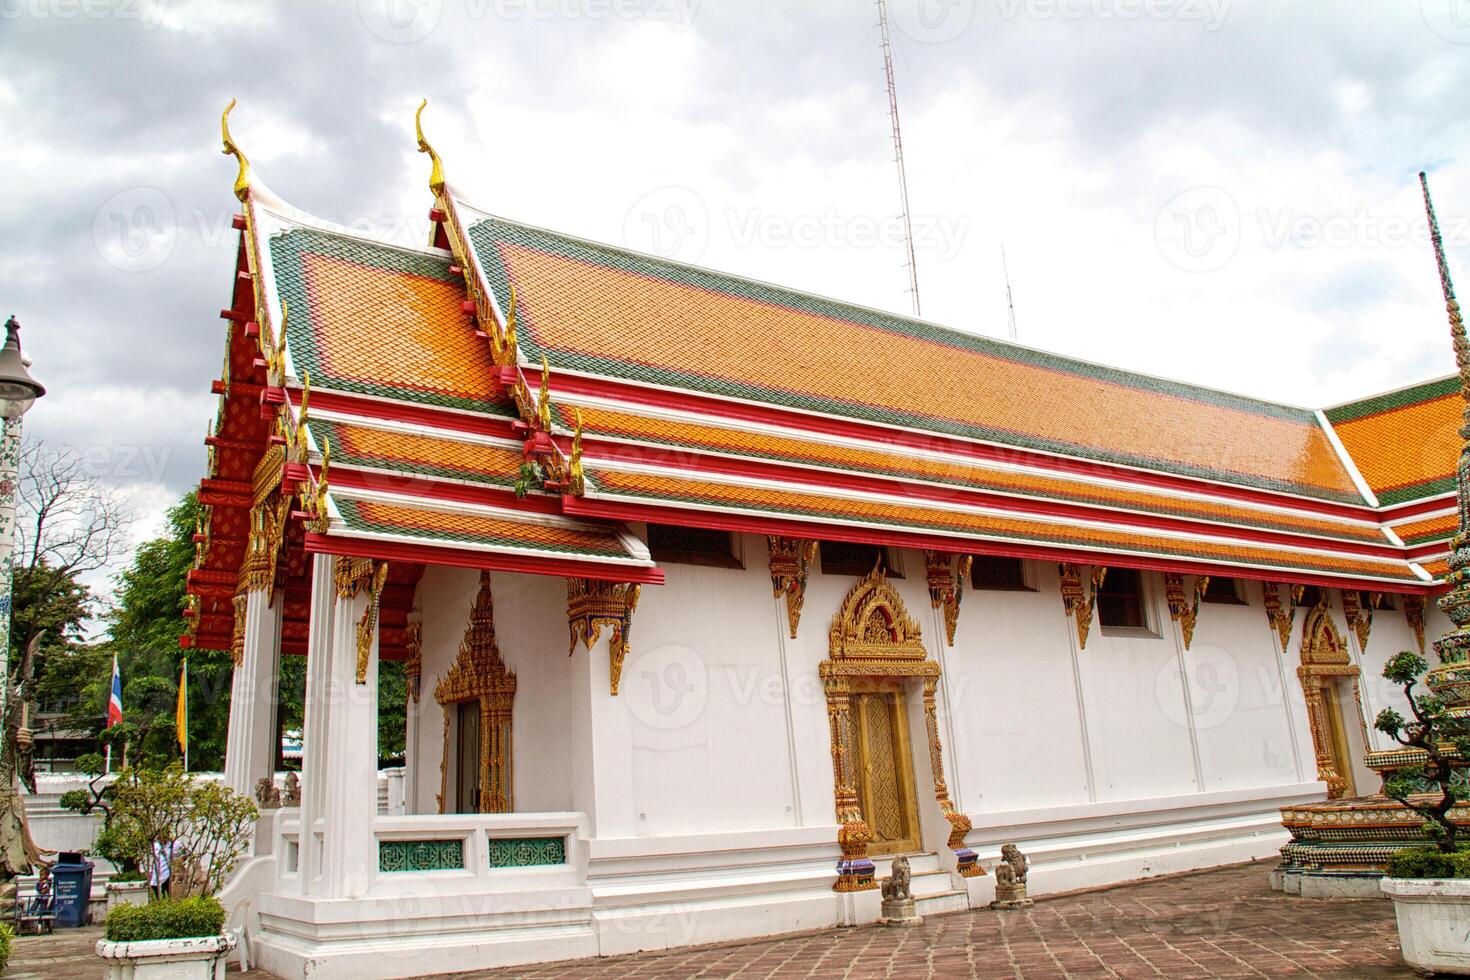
point(1221, 191)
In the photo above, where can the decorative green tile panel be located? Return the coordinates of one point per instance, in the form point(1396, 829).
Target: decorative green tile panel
point(421, 855)
point(527, 852)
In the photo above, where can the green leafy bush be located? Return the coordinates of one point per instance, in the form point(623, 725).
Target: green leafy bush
point(167, 918)
point(1429, 862)
point(6, 935)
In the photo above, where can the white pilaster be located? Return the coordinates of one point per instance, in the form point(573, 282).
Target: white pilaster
point(350, 765)
point(318, 707)
point(250, 750)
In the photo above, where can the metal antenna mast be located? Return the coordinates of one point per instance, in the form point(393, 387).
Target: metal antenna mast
point(1010, 305)
point(903, 183)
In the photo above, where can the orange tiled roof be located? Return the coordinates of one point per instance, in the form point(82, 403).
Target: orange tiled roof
point(428, 455)
point(1428, 529)
point(379, 320)
point(964, 473)
point(1404, 443)
point(792, 503)
point(603, 310)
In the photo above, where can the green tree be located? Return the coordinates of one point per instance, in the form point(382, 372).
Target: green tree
point(1440, 737)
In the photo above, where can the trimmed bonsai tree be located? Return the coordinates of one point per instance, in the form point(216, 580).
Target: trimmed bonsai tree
point(1442, 740)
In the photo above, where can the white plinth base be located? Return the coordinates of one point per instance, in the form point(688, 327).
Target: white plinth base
point(1434, 922)
point(167, 959)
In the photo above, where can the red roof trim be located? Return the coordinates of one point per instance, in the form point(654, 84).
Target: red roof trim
point(466, 558)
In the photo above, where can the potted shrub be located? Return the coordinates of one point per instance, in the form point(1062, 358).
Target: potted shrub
point(127, 885)
point(185, 835)
point(1430, 886)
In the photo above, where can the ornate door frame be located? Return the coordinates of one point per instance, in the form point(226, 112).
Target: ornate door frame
point(1326, 662)
point(479, 674)
point(873, 639)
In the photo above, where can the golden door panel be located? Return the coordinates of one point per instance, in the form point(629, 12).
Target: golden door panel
point(1342, 758)
point(885, 774)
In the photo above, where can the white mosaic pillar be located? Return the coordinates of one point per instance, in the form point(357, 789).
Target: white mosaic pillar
point(250, 751)
point(318, 708)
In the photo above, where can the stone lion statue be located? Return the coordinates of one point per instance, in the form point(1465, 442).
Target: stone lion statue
point(896, 885)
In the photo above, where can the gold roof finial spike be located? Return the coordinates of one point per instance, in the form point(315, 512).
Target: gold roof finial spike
point(436, 174)
point(1451, 305)
point(242, 180)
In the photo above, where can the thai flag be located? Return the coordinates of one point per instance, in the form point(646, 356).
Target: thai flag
point(114, 703)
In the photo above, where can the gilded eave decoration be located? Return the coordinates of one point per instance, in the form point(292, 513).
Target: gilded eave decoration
point(1414, 616)
point(593, 604)
point(362, 576)
point(1079, 603)
point(1281, 615)
point(1184, 607)
point(1359, 615)
point(790, 561)
point(947, 586)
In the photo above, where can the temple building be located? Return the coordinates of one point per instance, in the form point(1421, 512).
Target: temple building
point(714, 596)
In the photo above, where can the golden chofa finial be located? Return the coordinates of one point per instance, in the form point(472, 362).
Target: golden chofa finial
point(543, 398)
point(436, 174)
point(579, 478)
point(242, 180)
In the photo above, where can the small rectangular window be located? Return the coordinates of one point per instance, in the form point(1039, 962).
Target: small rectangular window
point(850, 558)
point(1311, 595)
point(691, 546)
point(1224, 589)
point(1120, 600)
point(999, 574)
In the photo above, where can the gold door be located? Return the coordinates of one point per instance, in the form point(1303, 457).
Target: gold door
point(885, 773)
point(1342, 759)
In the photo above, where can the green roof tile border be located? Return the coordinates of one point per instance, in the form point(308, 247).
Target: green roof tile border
point(287, 251)
point(483, 238)
point(355, 520)
point(1378, 404)
point(1415, 491)
point(960, 533)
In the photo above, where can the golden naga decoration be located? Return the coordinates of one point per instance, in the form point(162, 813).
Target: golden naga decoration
point(1278, 615)
point(543, 397)
point(790, 561)
point(1324, 661)
point(578, 479)
point(1183, 609)
point(301, 443)
point(242, 179)
point(436, 172)
point(947, 585)
point(1414, 616)
point(313, 494)
point(275, 354)
point(873, 638)
point(480, 674)
point(1080, 604)
point(593, 604)
point(358, 576)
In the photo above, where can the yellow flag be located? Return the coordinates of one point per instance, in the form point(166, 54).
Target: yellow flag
point(181, 713)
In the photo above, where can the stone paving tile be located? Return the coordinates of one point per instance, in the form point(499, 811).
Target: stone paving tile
point(1223, 923)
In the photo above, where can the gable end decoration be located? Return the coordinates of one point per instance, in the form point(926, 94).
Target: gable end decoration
point(593, 604)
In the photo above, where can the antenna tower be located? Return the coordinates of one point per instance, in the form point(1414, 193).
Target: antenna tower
point(903, 183)
point(1010, 305)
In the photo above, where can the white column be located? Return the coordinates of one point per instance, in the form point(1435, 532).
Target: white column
point(602, 766)
point(349, 779)
point(250, 750)
point(318, 707)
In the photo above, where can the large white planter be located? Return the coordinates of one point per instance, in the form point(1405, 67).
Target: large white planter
point(126, 893)
point(167, 959)
point(1434, 922)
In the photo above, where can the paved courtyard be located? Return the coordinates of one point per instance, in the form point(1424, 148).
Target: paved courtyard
point(1223, 923)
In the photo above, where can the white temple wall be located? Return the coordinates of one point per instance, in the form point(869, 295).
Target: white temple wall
point(1390, 635)
point(1012, 668)
point(1243, 689)
point(703, 690)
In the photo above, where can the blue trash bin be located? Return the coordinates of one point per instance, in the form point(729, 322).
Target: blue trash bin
point(71, 883)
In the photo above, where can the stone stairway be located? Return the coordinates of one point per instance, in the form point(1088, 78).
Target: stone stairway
point(932, 886)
